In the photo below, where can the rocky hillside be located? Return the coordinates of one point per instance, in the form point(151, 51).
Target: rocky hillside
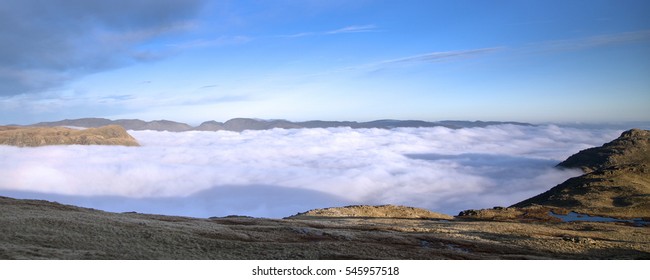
point(41, 136)
point(33, 229)
point(632, 147)
point(617, 183)
point(365, 211)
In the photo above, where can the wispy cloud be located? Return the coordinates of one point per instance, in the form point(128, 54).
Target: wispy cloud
point(215, 42)
point(343, 30)
point(402, 62)
point(433, 57)
point(439, 56)
point(354, 29)
point(121, 97)
point(241, 39)
point(591, 42)
point(144, 34)
point(298, 35)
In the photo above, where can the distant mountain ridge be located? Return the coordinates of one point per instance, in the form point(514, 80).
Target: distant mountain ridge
point(131, 124)
point(241, 124)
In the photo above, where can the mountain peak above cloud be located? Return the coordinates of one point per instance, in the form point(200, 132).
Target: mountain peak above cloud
point(633, 146)
point(241, 124)
point(618, 182)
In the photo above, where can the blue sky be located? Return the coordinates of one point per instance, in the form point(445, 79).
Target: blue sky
point(192, 61)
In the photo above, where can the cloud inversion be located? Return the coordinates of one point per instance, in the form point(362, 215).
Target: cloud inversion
point(276, 173)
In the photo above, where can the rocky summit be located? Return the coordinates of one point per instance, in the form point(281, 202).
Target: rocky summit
point(41, 136)
point(367, 211)
point(617, 183)
point(632, 147)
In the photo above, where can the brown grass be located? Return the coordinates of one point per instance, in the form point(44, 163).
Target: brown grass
point(366, 211)
point(41, 136)
point(44, 230)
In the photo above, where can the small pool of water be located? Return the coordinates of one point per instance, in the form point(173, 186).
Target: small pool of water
point(574, 217)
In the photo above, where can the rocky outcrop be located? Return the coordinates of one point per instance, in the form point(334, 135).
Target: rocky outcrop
point(617, 185)
point(632, 147)
point(367, 211)
point(621, 191)
point(533, 213)
point(41, 136)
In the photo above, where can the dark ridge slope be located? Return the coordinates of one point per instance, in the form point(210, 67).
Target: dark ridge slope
point(633, 146)
point(618, 184)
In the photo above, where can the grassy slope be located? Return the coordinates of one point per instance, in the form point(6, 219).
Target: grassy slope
point(617, 183)
point(41, 136)
point(39, 229)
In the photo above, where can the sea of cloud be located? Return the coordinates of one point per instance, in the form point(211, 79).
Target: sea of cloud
point(279, 172)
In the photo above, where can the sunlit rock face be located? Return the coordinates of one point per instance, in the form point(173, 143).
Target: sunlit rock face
point(43, 136)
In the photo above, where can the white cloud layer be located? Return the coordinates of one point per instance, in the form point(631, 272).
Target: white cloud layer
point(276, 173)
